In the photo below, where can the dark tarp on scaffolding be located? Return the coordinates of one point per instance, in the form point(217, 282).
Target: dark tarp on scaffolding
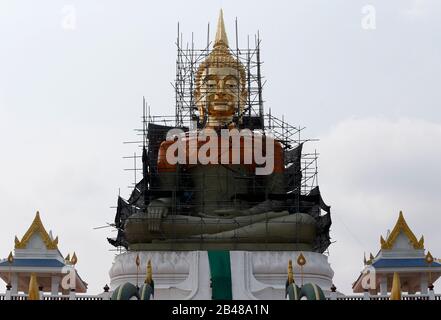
point(311, 203)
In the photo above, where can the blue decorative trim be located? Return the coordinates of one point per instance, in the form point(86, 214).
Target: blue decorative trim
point(410, 262)
point(52, 263)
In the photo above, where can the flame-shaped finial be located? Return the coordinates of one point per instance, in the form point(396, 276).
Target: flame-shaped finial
point(74, 259)
point(429, 257)
point(301, 260)
point(221, 36)
point(10, 258)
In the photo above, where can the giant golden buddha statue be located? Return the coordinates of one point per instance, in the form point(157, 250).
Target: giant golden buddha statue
point(220, 204)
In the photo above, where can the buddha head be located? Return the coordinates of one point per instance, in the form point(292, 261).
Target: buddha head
point(220, 83)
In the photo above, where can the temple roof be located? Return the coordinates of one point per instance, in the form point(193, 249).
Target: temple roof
point(37, 252)
point(401, 227)
point(400, 253)
point(403, 263)
point(37, 228)
point(50, 263)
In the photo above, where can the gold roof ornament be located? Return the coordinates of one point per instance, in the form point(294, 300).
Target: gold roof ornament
point(74, 259)
point(34, 293)
point(67, 259)
point(16, 241)
point(290, 272)
point(370, 260)
point(137, 261)
point(301, 260)
point(429, 257)
point(395, 293)
point(10, 258)
point(401, 226)
point(149, 273)
point(37, 227)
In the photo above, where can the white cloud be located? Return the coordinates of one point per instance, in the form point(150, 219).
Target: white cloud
point(370, 169)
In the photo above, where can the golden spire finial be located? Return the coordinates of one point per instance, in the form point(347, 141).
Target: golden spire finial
point(74, 259)
point(137, 260)
point(16, 241)
point(221, 36)
point(67, 259)
point(10, 257)
point(34, 293)
point(149, 274)
point(429, 257)
point(395, 293)
point(290, 272)
point(301, 261)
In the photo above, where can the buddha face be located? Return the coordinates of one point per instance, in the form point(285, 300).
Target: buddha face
point(220, 94)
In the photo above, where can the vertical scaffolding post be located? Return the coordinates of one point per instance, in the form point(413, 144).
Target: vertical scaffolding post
point(249, 76)
point(259, 82)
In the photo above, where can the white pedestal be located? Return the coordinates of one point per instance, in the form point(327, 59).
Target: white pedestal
point(185, 275)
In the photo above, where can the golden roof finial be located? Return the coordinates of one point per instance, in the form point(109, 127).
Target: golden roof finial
point(221, 36)
point(67, 259)
point(301, 260)
point(290, 272)
point(395, 293)
point(429, 257)
point(10, 257)
point(137, 260)
point(149, 274)
point(74, 259)
point(16, 241)
point(34, 293)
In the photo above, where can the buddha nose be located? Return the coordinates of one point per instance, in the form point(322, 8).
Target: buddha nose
point(220, 86)
point(220, 89)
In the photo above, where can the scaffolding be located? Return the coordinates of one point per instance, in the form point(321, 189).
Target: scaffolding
point(187, 118)
point(253, 115)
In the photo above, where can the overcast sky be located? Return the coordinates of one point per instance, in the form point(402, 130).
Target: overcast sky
point(70, 97)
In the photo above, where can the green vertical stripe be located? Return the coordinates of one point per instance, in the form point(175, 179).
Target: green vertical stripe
point(220, 269)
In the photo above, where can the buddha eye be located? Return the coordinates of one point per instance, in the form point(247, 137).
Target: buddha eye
point(231, 84)
point(211, 84)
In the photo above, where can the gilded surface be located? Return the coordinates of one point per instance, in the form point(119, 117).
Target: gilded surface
point(36, 227)
point(401, 226)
